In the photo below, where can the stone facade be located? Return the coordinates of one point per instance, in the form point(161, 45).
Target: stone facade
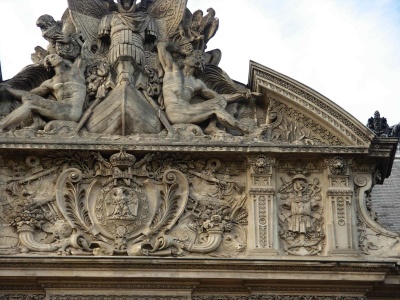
point(125, 186)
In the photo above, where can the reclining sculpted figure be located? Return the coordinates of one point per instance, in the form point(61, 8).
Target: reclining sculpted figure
point(67, 87)
point(180, 86)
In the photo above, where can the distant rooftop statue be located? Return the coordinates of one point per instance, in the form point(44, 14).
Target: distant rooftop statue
point(381, 128)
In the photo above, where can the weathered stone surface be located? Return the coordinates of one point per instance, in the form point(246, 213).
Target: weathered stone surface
point(138, 166)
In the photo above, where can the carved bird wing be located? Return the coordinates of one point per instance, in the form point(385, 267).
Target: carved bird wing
point(27, 79)
point(209, 25)
point(197, 17)
point(168, 15)
point(216, 79)
point(86, 16)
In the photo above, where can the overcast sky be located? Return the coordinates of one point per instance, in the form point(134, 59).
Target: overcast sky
point(347, 50)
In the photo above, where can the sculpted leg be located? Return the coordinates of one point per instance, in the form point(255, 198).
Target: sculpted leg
point(228, 120)
point(16, 117)
point(35, 104)
point(17, 93)
point(195, 113)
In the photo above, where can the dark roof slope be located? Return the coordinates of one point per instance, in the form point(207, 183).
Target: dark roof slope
point(386, 198)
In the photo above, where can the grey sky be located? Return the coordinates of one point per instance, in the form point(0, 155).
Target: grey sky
point(347, 50)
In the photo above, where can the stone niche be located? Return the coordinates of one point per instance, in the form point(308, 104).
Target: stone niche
point(133, 167)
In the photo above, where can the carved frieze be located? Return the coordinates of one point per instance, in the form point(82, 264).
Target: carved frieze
point(160, 205)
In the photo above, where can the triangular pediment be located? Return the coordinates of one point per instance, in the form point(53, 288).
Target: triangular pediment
point(304, 113)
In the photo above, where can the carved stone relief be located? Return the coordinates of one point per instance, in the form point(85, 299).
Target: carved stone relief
point(263, 204)
point(103, 78)
point(341, 206)
point(373, 239)
point(85, 204)
point(301, 219)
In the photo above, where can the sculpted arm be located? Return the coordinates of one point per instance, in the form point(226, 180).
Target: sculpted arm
point(43, 90)
point(81, 63)
point(164, 56)
point(206, 92)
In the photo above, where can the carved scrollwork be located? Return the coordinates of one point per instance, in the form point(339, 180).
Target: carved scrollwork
point(94, 205)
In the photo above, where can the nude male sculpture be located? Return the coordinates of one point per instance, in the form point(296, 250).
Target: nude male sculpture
point(67, 87)
point(180, 86)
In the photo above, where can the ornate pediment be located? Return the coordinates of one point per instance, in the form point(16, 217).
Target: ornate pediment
point(133, 167)
point(304, 112)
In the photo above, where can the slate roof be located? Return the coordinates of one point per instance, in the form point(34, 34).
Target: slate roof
point(386, 198)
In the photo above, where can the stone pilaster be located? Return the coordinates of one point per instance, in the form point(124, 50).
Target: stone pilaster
point(342, 220)
point(262, 207)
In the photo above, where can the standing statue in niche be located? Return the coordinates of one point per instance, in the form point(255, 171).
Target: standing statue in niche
point(180, 86)
point(301, 216)
point(67, 87)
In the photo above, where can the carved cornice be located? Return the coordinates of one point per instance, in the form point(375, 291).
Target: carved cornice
point(279, 297)
point(115, 297)
point(22, 297)
point(187, 264)
point(327, 150)
point(262, 191)
point(301, 289)
point(314, 103)
point(116, 286)
point(245, 147)
point(339, 192)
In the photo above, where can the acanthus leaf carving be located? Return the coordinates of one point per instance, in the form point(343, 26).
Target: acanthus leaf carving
point(106, 206)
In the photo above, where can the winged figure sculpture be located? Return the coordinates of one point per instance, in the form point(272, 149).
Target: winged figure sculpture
point(119, 44)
